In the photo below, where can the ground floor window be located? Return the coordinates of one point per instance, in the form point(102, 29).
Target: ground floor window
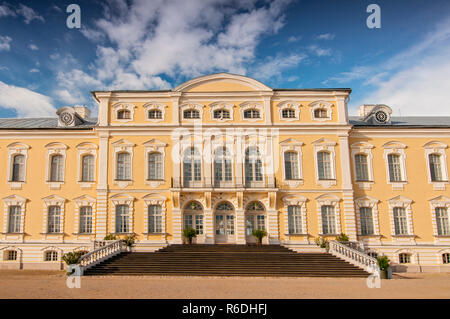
point(51, 256)
point(154, 219)
point(404, 258)
point(122, 219)
point(328, 220)
point(10, 255)
point(294, 219)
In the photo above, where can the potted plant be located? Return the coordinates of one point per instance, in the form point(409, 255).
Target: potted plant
point(385, 268)
point(189, 233)
point(342, 238)
point(322, 243)
point(72, 258)
point(129, 241)
point(110, 237)
point(259, 234)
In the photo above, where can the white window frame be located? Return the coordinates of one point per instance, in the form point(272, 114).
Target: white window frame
point(55, 149)
point(221, 106)
point(155, 106)
point(292, 145)
point(194, 106)
point(193, 182)
point(329, 200)
point(53, 200)
point(155, 199)
point(123, 146)
point(13, 200)
point(439, 148)
point(365, 149)
point(122, 199)
point(83, 201)
point(412, 256)
point(295, 200)
point(289, 105)
point(252, 105)
point(399, 149)
point(59, 251)
point(82, 150)
point(123, 106)
point(11, 248)
point(405, 203)
point(372, 203)
point(14, 149)
point(222, 183)
point(328, 146)
point(155, 146)
point(440, 201)
point(321, 104)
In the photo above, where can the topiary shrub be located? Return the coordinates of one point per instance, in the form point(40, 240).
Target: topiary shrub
point(189, 233)
point(383, 262)
point(130, 240)
point(342, 238)
point(72, 257)
point(110, 237)
point(259, 234)
point(322, 242)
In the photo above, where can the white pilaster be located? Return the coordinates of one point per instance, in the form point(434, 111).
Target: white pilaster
point(177, 236)
point(209, 226)
point(240, 227)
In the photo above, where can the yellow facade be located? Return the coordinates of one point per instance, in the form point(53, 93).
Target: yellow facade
point(322, 194)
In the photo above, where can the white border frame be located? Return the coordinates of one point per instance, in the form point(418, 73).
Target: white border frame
point(83, 201)
point(122, 199)
point(252, 105)
point(435, 147)
point(17, 148)
point(228, 106)
point(155, 146)
point(123, 106)
point(55, 148)
point(394, 147)
point(86, 148)
point(155, 199)
point(292, 145)
point(155, 106)
point(123, 146)
point(327, 145)
point(365, 149)
point(329, 200)
point(289, 105)
point(321, 104)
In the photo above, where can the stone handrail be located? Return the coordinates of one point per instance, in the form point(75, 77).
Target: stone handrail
point(355, 245)
point(353, 256)
point(106, 250)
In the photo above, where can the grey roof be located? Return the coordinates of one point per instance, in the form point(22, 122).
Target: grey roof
point(41, 123)
point(406, 121)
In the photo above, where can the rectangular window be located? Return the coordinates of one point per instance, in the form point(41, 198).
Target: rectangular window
point(154, 219)
point(199, 224)
point(442, 221)
point(56, 168)
point(435, 167)
point(122, 219)
point(18, 169)
point(54, 219)
point(400, 221)
point(291, 165)
point(404, 258)
point(365, 217)
point(294, 219)
point(11, 255)
point(446, 258)
point(249, 224)
point(87, 168)
point(155, 166)
point(324, 165)
point(123, 166)
point(328, 220)
point(362, 169)
point(14, 219)
point(86, 220)
point(51, 256)
point(395, 172)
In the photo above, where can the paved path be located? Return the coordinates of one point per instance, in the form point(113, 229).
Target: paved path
point(45, 284)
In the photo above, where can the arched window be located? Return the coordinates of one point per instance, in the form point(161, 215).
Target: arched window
point(155, 166)
point(404, 258)
point(18, 169)
point(255, 207)
point(435, 167)
point(155, 114)
point(395, 171)
point(54, 219)
point(291, 169)
point(154, 219)
point(123, 166)
point(57, 168)
point(222, 166)
point(221, 114)
point(442, 221)
point(294, 219)
point(51, 255)
point(324, 165)
point(288, 113)
point(122, 219)
point(328, 219)
point(400, 221)
point(224, 206)
point(251, 114)
point(366, 220)
point(361, 167)
point(123, 115)
point(191, 114)
point(253, 165)
point(87, 168)
point(320, 113)
point(191, 166)
point(14, 219)
point(86, 220)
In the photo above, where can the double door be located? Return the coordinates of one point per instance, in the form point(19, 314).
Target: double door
point(224, 228)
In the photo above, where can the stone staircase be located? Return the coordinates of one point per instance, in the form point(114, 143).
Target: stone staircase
point(227, 260)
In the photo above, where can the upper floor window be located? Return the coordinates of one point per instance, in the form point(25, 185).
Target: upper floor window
point(122, 219)
point(251, 114)
point(328, 219)
point(18, 169)
point(400, 221)
point(324, 165)
point(155, 166)
point(51, 255)
point(291, 165)
point(87, 168)
point(320, 113)
point(123, 166)
point(192, 166)
point(222, 114)
point(154, 114)
point(395, 170)
point(435, 167)
point(366, 220)
point(57, 168)
point(14, 219)
point(191, 114)
point(54, 219)
point(154, 219)
point(222, 166)
point(362, 167)
point(86, 220)
point(404, 258)
point(123, 115)
point(442, 221)
point(294, 219)
point(288, 113)
point(253, 165)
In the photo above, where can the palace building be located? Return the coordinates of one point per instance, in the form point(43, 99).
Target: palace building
point(225, 154)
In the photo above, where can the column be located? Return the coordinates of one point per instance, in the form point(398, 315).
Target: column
point(240, 226)
point(209, 226)
point(207, 162)
point(175, 107)
point(239, 158)
point(102, 187)
point(342, 109)
point(267, 109)
point(177, 236)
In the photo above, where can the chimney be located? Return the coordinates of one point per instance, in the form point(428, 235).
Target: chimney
point(82, 111)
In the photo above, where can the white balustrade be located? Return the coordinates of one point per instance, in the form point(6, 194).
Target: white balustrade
point(353, 256)
point(103, 249)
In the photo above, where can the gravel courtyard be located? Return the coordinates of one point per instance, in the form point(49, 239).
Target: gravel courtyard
point(46, 284)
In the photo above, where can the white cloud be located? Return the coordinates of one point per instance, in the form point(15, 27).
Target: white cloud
point(320, 51)
point(294, 38)
point(34, 71)
point(273, 67)
point(5, 43)
point(25, 102)
point(326, 36)
point(33, 47)
point(6, 11)
point(29, 14)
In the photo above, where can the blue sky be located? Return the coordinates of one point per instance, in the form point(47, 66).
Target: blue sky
point(156, 44)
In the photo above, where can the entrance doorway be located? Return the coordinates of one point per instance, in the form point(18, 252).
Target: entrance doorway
point(224, 223)
point(254, 219)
